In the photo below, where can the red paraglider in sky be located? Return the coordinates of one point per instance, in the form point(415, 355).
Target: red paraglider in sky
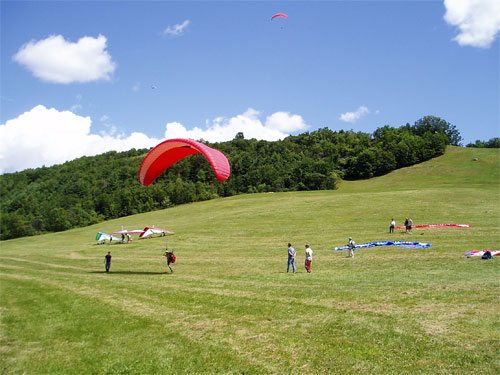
point(279, 15)
point(169, 152)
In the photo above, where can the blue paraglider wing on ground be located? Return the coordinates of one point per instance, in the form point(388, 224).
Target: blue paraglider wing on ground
point(407, 244)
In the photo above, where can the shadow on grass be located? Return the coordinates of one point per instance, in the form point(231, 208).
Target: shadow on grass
point(133, 272)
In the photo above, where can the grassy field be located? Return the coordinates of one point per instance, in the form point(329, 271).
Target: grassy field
point(230, 306)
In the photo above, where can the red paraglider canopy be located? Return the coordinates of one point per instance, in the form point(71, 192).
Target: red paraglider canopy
point(169, 152)
point(282, 15)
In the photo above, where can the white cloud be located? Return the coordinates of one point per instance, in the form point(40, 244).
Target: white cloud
point(58, 61)
point(177, 29)
point(277, 126)
point(477, 20)
point(285, 122)
point(354, 116)
point(45, 136)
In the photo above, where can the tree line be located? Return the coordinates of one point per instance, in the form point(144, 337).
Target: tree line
point(89, 190)
point(492, 143)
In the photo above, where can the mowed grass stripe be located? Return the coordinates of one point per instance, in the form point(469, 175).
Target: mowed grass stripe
point(342, 291)
point(369, 325)
point(122, 321)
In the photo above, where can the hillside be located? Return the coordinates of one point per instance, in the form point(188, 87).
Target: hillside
point(90, 190)
point(230, 307)
point(464, 167)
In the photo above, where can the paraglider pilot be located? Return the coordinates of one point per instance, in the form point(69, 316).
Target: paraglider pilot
point(171, 258)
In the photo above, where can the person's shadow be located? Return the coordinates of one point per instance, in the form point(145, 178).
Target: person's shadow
point(133, 272)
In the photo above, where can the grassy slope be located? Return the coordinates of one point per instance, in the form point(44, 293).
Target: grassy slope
point(230, 307)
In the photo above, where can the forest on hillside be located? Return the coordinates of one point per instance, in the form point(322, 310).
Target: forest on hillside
point(89, 190)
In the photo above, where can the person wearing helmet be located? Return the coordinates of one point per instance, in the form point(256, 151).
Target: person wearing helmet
point(351, 245)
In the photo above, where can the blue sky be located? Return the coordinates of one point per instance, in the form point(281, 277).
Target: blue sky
point(82, 78)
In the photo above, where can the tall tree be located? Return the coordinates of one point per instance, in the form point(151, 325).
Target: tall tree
point(436, 124)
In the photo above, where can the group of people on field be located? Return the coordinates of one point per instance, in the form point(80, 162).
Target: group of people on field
point(292, 253)
point(351, 245)
point(169, 255)
point(291, 258)
point(408, 225)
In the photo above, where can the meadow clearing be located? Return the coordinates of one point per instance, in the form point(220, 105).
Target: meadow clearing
point(230, 306)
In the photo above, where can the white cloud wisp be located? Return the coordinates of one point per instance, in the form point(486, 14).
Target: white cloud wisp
point(352, 117)
point(58, 61)
point(177, 29)
point(477, 20)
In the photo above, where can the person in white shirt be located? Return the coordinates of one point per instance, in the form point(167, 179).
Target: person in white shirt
point(309, 258)
point(392, 226)
point(352, 245)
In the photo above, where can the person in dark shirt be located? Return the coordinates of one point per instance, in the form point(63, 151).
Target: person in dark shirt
point(171, 258)
point(107, 261)
point(486, 255)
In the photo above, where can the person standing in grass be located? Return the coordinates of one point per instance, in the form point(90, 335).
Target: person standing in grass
point(291, 258)
point(107, 261)
point(351, 246)
point(392, 226)
point(309, 258)
point(408, 225)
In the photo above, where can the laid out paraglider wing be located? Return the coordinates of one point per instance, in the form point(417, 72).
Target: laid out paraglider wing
point(169, 152)
point(407, 244)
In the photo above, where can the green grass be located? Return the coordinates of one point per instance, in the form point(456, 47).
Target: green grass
point(230, 307)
